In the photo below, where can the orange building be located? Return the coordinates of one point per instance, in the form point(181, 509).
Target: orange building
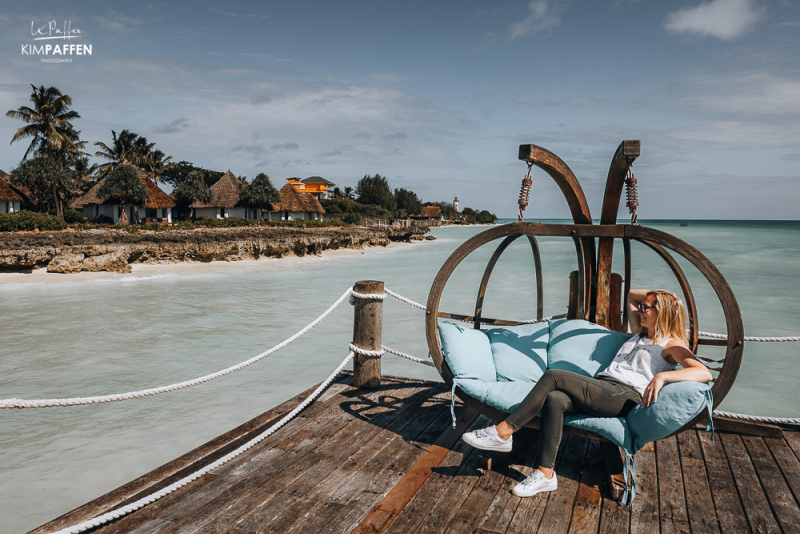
point(314, 185)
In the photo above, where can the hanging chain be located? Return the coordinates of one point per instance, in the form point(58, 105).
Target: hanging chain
point(632, 195)
point(525, 191)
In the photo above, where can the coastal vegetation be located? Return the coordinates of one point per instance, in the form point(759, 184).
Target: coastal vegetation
point(56, 169)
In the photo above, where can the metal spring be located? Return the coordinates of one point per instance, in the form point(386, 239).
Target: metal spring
point(632, 196)
point(525, 191)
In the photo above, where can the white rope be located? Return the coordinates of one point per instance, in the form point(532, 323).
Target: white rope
point(144, 501)
point(366, 352)
point(759, 418)
point(404, 299)
point(368, 296)
point(751, 338)
point(408, 356)
point(42, 403)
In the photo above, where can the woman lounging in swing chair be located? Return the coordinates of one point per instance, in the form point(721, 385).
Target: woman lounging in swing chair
point(636, 375)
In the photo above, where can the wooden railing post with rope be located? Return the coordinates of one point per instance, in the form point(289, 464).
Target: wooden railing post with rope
point(367, 327)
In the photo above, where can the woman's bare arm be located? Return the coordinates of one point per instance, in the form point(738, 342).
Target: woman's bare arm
point(693, 369)
point(635, 297)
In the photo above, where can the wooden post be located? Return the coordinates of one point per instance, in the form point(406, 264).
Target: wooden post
point(367, 326)
point(572, 305)
point(615, 304)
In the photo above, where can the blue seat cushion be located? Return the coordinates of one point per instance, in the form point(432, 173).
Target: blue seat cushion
point(467, 352)
point(520, 352)
point(614, 429)
point(505, 396)
point(582, 347)
point(677, 404)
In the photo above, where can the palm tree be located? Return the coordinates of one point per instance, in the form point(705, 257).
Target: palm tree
point(48, 122)
point(123, 148)
point(83, 173)
point(155, 163)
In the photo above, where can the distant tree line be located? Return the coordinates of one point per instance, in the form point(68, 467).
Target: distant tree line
point(55, 168)
point(373, 198)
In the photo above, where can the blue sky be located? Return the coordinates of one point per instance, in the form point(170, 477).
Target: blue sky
point(437, 96)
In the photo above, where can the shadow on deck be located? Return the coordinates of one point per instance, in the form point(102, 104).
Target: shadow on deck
point(389, 460)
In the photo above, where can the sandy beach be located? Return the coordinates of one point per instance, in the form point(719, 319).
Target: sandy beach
point(142, 270)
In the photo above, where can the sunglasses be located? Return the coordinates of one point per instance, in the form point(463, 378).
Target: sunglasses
point(643, 308)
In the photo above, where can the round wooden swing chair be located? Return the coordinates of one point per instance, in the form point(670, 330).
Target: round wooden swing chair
point(596, 293)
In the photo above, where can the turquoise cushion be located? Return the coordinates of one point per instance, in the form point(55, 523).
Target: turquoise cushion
point(467, 352)
point(582, 347)
point(677, 404)
point(614, 429)
point(520, 352)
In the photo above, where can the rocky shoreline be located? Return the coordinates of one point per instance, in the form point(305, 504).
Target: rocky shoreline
point(116, 250)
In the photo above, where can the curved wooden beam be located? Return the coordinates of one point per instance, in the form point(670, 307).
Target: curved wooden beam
point(579, 208)
point(537, 263)
point(564, 178)
point(485, 279)
point(626, 153)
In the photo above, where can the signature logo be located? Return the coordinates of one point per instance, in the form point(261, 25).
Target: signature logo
point(51, 30)
point(56, 52)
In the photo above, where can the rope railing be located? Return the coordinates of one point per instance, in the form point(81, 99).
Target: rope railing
point(77, 401)
point(752, 338)
point(144, 501)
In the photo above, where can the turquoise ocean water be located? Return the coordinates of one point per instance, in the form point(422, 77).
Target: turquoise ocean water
point(134, 331)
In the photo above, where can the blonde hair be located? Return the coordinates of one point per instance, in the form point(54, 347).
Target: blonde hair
point(671, 319)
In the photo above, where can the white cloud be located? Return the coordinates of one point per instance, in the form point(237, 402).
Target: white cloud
point(725, 19)
point(542, 14)
point(748, 94)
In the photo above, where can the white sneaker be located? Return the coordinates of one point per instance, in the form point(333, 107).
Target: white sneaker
point(487, 439)
point(536, 483)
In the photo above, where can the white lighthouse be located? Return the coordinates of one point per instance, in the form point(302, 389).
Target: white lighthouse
point(455, 205)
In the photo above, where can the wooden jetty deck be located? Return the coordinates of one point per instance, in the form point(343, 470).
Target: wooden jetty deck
point(388, 460)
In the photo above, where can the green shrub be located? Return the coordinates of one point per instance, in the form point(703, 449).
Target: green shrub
point(29, 220)
point(74, 217)
point(103, 219)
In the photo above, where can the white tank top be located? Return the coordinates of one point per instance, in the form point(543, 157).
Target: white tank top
point(637, 362)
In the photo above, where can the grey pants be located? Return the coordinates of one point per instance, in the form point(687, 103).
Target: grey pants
point(560, 393)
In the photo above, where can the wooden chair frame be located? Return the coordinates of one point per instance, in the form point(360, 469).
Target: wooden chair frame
point(593, 295)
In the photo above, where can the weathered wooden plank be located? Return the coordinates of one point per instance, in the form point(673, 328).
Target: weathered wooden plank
point(379, 473)
point(452, 498)
point(793, 440)
point(747, 428)
point(558, 512)
point(615, 518)
point(644, 510)
point(699, 502)
point(335, 452)
point(412, 514)
point(476, 503)
point(178, 504)
point(589, 497)
point(174, 470)
point(780, 497)
point(530, 510)
point(788, 463)
point(504, 504)
point(754, 501)
point(248, 484)
point(727, 503)
point(672, 497)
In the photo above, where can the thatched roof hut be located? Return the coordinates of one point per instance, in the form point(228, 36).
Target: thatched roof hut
point(226, 193)
point(158, 198)
point(295, 201)
point(20, 191)
point(7, 194)
point(430, 212)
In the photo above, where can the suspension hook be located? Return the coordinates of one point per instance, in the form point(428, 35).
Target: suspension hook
point(525, 191)
point(632, 196)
